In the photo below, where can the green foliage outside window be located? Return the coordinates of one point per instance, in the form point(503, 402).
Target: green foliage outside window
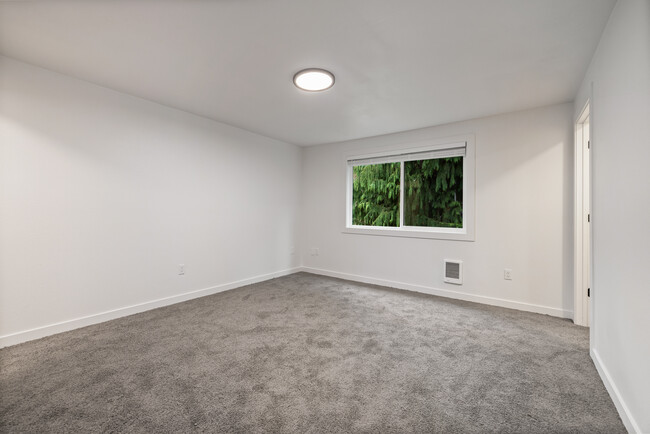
point(433, 193)
point(375, 195)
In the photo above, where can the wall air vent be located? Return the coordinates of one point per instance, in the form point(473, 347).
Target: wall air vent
point(453, 271)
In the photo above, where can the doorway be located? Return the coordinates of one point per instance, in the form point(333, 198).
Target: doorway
point(582, 216)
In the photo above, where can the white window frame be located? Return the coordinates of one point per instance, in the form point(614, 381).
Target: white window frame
point(401, 154)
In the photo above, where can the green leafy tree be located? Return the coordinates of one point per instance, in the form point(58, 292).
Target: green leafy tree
point(375, 195)
point(433, 193)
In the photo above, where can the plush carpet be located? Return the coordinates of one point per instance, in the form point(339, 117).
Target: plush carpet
point(310, 354)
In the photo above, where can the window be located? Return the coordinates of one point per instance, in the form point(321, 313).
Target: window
point(422, 192)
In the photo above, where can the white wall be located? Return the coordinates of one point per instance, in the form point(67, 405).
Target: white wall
point(102, 195)
point(620, 122)
point(524, 194)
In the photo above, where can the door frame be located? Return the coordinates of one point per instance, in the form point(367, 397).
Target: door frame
point(582, 219)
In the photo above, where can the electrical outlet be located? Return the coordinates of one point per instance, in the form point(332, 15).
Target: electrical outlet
point(292, 250)
point(314, 251)
point(181, 269)
point(507, 274)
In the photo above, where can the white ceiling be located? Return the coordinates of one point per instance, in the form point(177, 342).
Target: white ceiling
point(399, 65)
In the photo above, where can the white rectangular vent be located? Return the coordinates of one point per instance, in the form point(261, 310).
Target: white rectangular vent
point(453, 271)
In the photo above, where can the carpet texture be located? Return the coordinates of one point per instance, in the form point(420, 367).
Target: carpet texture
point(310, 354)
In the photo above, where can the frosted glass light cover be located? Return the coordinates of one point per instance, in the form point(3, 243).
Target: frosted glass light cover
point(313, 80)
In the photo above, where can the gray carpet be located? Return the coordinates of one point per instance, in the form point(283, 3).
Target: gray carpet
point(309, 354)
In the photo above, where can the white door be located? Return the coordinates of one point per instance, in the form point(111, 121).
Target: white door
point(582, 226)
point(586, 216)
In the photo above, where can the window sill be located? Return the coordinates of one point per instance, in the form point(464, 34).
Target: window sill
point(437, 234)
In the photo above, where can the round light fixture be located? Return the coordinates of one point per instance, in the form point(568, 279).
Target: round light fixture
point(313, 79)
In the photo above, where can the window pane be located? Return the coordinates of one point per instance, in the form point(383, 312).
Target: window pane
point(433, 193)
point(375, 194)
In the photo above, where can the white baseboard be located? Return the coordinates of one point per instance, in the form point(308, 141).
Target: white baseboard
point(40, 332)
point(623, 410)
point(553, 311)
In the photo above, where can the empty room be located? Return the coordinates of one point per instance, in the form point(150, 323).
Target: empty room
point(294, 216)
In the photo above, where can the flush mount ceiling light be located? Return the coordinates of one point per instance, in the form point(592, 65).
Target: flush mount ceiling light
point(313, 79)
